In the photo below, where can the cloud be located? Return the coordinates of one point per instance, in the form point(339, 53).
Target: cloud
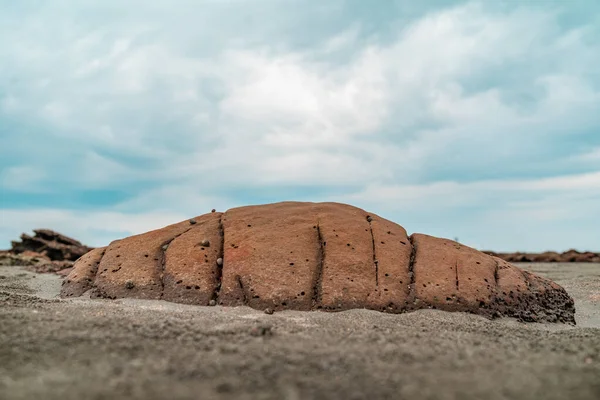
point(222, 103)
point(503, 214)
point(91, 228)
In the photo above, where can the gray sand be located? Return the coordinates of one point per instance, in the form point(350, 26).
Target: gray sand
point(101, 349)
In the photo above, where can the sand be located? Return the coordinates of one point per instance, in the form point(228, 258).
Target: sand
point(101, 349)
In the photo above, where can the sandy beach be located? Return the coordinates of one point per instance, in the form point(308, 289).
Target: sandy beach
point(52, 348)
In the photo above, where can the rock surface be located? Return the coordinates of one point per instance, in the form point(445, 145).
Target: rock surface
point(573, 256)
point(313, 256)
point(46, 251)
point(55, 246)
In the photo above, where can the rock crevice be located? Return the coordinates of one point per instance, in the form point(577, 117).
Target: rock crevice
point(457, 281)
point(317, 283)
point(375, 261)
point(219, 274)
point(162, 258)
point(412, 298)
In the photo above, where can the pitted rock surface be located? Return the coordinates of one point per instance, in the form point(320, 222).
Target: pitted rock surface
point(313, 256)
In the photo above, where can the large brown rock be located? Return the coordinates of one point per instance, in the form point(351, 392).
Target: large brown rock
point(313, 256)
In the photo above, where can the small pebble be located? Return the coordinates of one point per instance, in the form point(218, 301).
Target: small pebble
point(219, 261)
point(213, 210)
point(165, 247)
point(205, 243)
point(224, 388)
point(129, 285)
point(261, 330)
point(369, 218)
point(192, 221)
point(212, 303)
point(269, 311)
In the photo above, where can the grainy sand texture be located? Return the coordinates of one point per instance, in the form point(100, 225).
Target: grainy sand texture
point(115, 349)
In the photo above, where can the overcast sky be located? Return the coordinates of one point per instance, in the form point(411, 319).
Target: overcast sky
point(476, 120)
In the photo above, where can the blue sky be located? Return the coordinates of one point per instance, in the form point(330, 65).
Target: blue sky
point(476, 120)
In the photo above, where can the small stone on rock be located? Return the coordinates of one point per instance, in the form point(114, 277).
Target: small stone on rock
point(129, 285)
point(269, 311)
point(369, 218)
point(219, 261)
point(212, 303)
point(165, 247)
point(205, 243)
point(192, 221)
point(213, 210)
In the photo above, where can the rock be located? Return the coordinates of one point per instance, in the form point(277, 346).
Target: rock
point(33, 261)
point(65, 271)
point(190, 272)
point(55, 246)
point(83, 274)
point(549, 256)
point(261, 330)
point(26, 258)
point(139, 258)
point(314, 256)
point(268, 311)
point(51, 267)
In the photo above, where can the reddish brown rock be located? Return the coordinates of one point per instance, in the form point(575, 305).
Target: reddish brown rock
point(191, 273)
point(451, 276)
point(271, 256)
point(55, 246)
point(26, 258)
point(392, 253)
point(310, 256)
point(549, 256)
point(133, 267)
point(349, 272)
point(46, 251)
point(82, 276)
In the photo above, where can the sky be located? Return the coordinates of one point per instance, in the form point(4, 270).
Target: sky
point(473, 120)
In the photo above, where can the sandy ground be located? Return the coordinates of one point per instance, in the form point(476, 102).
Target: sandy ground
point(102, 349)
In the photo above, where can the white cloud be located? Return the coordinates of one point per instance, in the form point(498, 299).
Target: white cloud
point(449, 194)
point(592, 156)
point(91, 228)
point(443, 113)
point(547, 213)
point(25, 178)
point(190, 199)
